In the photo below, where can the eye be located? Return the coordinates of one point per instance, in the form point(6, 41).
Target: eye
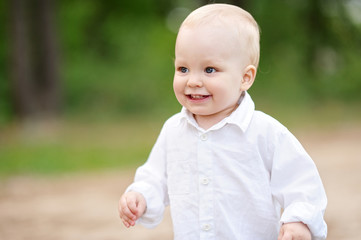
point(183, 69)
point(210, 70)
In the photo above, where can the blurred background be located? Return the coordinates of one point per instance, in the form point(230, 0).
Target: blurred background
point(85, 87)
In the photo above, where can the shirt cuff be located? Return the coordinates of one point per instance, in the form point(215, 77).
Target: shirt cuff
point(310, 215)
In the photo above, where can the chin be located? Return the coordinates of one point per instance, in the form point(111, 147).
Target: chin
point(200, 113)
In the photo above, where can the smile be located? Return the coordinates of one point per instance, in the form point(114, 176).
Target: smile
point(197, 97)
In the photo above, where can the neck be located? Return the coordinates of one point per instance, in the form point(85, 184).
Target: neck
point(207, 121)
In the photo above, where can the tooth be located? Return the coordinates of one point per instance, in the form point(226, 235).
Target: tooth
point(197, 96)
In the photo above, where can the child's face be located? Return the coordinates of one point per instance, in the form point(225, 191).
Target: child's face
point(209, 71)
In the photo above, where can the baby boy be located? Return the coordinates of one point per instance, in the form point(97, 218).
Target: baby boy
point(226, 170)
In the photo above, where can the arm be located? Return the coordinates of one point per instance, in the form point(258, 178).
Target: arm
point(145, 199)
point(297, 187)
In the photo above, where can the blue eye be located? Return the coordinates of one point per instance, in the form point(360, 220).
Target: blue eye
point(183, 69)
point(210, 70)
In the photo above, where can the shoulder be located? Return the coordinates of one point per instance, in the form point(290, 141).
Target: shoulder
point(263, 121)
point(174, 120)
point(271, 130)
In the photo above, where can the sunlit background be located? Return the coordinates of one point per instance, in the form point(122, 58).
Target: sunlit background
point(85, 87)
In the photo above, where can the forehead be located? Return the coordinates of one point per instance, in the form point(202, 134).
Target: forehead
point(208, 38)
point(226, 21)
point(209, 26)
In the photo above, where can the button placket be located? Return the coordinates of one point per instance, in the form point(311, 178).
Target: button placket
point(205, 163)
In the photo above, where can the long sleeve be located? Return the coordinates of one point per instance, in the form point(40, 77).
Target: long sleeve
point(150, 180)
point(297, 186)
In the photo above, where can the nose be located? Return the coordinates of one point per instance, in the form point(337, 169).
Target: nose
point(194, 81)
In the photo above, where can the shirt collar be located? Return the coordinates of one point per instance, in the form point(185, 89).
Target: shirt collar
point(241, 117)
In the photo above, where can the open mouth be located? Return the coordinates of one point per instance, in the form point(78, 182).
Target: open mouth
point(197, 96)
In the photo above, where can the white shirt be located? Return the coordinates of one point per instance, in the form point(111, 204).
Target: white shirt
point(232, 180)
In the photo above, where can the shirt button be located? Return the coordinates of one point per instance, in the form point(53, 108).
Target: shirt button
point(205, 181)
point(204, 137)
point(206, 227)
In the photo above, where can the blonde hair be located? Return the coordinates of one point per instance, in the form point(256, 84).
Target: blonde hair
point(226, 14)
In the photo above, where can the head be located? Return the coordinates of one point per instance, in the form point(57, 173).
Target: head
point(216, 59)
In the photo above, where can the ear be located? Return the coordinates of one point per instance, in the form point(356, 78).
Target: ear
point(248, 77)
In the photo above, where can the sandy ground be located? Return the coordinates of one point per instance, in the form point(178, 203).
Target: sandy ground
point(85, 206)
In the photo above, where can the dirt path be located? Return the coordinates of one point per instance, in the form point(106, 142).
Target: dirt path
point(85, 206)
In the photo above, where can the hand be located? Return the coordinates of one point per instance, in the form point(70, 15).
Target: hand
point(131, 207)
point(294, 231)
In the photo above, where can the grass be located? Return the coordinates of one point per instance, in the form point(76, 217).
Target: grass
point(55, 147)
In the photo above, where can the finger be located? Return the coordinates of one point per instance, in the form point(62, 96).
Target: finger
point(125, 223)
point(120, 211)
point(132, 205)
point(137, 204)
point(126, 220)
point(125, 212)
point(142, 205)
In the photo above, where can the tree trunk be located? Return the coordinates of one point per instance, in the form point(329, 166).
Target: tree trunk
point(34, 62)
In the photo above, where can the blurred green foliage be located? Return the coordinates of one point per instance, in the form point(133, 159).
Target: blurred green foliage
point(117, 60)
point(117, 56)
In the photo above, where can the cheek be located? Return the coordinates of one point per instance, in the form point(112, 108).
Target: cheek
point(178, 86)
point(229, 89)
point(218, 88)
